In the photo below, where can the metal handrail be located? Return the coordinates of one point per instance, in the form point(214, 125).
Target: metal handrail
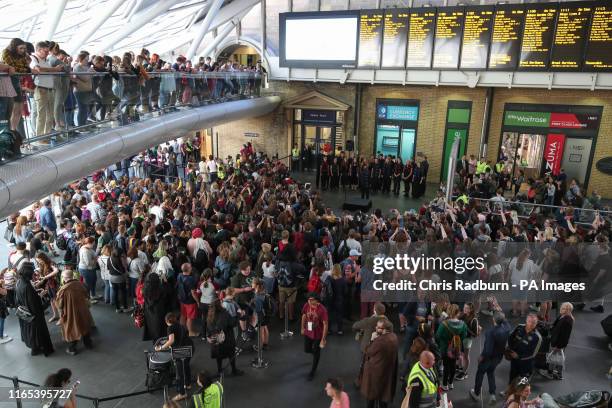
point(507, 202)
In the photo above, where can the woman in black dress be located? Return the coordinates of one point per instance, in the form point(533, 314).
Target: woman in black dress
point(34, 334)
point(155, 308)
point(220, 335)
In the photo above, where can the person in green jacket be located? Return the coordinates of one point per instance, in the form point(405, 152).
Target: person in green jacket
point(210, 395)
point(445, 337)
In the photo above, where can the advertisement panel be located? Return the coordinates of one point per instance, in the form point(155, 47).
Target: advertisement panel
point(531, 119)
point(553, 153)
point(398, 112)
point(573, 121)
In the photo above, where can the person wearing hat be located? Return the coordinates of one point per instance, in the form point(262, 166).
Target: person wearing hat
point(76, 320)
point(314, 328)
point(34, 333)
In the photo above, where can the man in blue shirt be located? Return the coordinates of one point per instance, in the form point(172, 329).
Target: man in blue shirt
point(492, 354)
point(47, 219)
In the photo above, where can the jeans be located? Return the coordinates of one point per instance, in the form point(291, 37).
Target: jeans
point(119, 291)
point(487, 366)
point(2, 327)
point(83, 100)
point(133, 282)
point(336, 311)
point(90, 280)
point(450, 365)
point(108, 291)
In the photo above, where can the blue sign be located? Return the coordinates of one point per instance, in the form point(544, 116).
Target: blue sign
point(398, 112)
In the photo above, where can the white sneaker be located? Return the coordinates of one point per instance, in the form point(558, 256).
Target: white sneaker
point(492, 399)
point(5, 339)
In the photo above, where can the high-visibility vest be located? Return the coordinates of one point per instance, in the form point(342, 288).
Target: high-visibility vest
point(463, 198)
point(499, 167)
point(212, 397)
point(429, 392)
point(295, 153)
point(221, 172)
point(480, 167)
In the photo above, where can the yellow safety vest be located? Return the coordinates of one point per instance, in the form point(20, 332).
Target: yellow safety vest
point(295, 152)
point(221, 172)
point(213, 396)
point(499, 167)
point(480, 167)
point(430, 388)
point(463, 198)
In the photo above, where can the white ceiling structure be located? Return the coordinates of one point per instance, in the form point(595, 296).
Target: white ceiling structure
point(111, 27)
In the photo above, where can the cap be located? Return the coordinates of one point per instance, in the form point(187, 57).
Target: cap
point(354, 252)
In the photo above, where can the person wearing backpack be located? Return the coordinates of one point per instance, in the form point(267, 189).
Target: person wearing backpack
point(449, 336)
point(264, 307)
point(287, 289)
point(473, 331)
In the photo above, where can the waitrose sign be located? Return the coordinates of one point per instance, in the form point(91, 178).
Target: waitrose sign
point(532, 119)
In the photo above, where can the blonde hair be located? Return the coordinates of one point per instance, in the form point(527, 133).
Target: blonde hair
point(336, 272)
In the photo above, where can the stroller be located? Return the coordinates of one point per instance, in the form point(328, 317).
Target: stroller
point(579, 399)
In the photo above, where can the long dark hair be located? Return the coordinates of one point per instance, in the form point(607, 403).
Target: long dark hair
point(12, 47)
point(57, 380)
point(214, 309)
point(152, 287)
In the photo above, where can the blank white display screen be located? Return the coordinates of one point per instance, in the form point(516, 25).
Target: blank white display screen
point(321, 39)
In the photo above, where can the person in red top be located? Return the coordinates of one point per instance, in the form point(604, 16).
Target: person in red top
point(314, 329)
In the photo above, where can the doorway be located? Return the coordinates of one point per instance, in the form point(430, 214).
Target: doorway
point(393, 140)
point(316, 142)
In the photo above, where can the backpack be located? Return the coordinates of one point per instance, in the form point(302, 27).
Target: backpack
point(61, 242)
point(314, 284)
point(72, 252)
point(183, 293)
point(343, 251)
point(285, 277)
point(327, 291)
point(112, 269)
point(200, 260)
point(454, 344)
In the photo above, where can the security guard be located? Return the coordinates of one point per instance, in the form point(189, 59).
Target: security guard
point(295, 158)
point(523, 346)
point(464, 198)
point(481, 166)
point(221, 171)
point(422, 385)
point(211, 394)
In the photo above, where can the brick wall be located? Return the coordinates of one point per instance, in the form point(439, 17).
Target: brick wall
point(274, 128)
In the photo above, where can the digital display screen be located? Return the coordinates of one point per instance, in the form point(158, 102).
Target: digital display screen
point(570, 37)
point(506, 38)
point(321, 40)
point(395, 38)
point(449, 28)
point(370, 38)
point(538, 36)
point(421, 37)
point(598, 55)
point(476, 37)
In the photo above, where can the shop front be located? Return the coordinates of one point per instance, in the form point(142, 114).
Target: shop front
point(396, 128)
point(543, 139)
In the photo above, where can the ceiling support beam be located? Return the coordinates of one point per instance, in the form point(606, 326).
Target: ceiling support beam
point(203, 28)
point(77, 42)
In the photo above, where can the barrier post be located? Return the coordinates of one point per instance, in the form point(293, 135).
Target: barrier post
point(16, 388)
point(259, 362)
point(286, 334)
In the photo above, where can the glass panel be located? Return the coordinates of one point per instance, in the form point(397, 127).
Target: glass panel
point(395, 4)
point(298, 114)
point(529, 154)
point(273, 8)
point(407, 150)
point(251, 25)
point(362, 4)
point(304, 5)
point(507, 152)
point(326, 135)
point(310, 135)
point(328, 5)
point(387, 139)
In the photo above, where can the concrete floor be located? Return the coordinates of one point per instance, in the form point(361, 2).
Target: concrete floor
point(116, 365)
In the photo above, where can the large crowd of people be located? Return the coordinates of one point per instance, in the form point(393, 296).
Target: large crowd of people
point(43, 89)
point(216, 250)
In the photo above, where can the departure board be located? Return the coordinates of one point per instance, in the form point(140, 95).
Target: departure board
point(370, 38)
point(538, 36)
point(570, 37)
point(476, 37)
point(449, 28)
point(421, 37)
point(599, 46)
point(506, 38)
point(395, 38)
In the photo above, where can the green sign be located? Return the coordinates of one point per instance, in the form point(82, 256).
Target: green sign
point(459, 115)
point(451, 134)
point(529, 119)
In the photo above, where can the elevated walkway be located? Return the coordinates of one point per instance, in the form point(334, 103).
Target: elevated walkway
point(35, 175)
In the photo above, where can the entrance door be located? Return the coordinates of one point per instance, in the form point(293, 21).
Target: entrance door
point(451, 134)
point(318, 139)
point(395, 141)
point(576, 158)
